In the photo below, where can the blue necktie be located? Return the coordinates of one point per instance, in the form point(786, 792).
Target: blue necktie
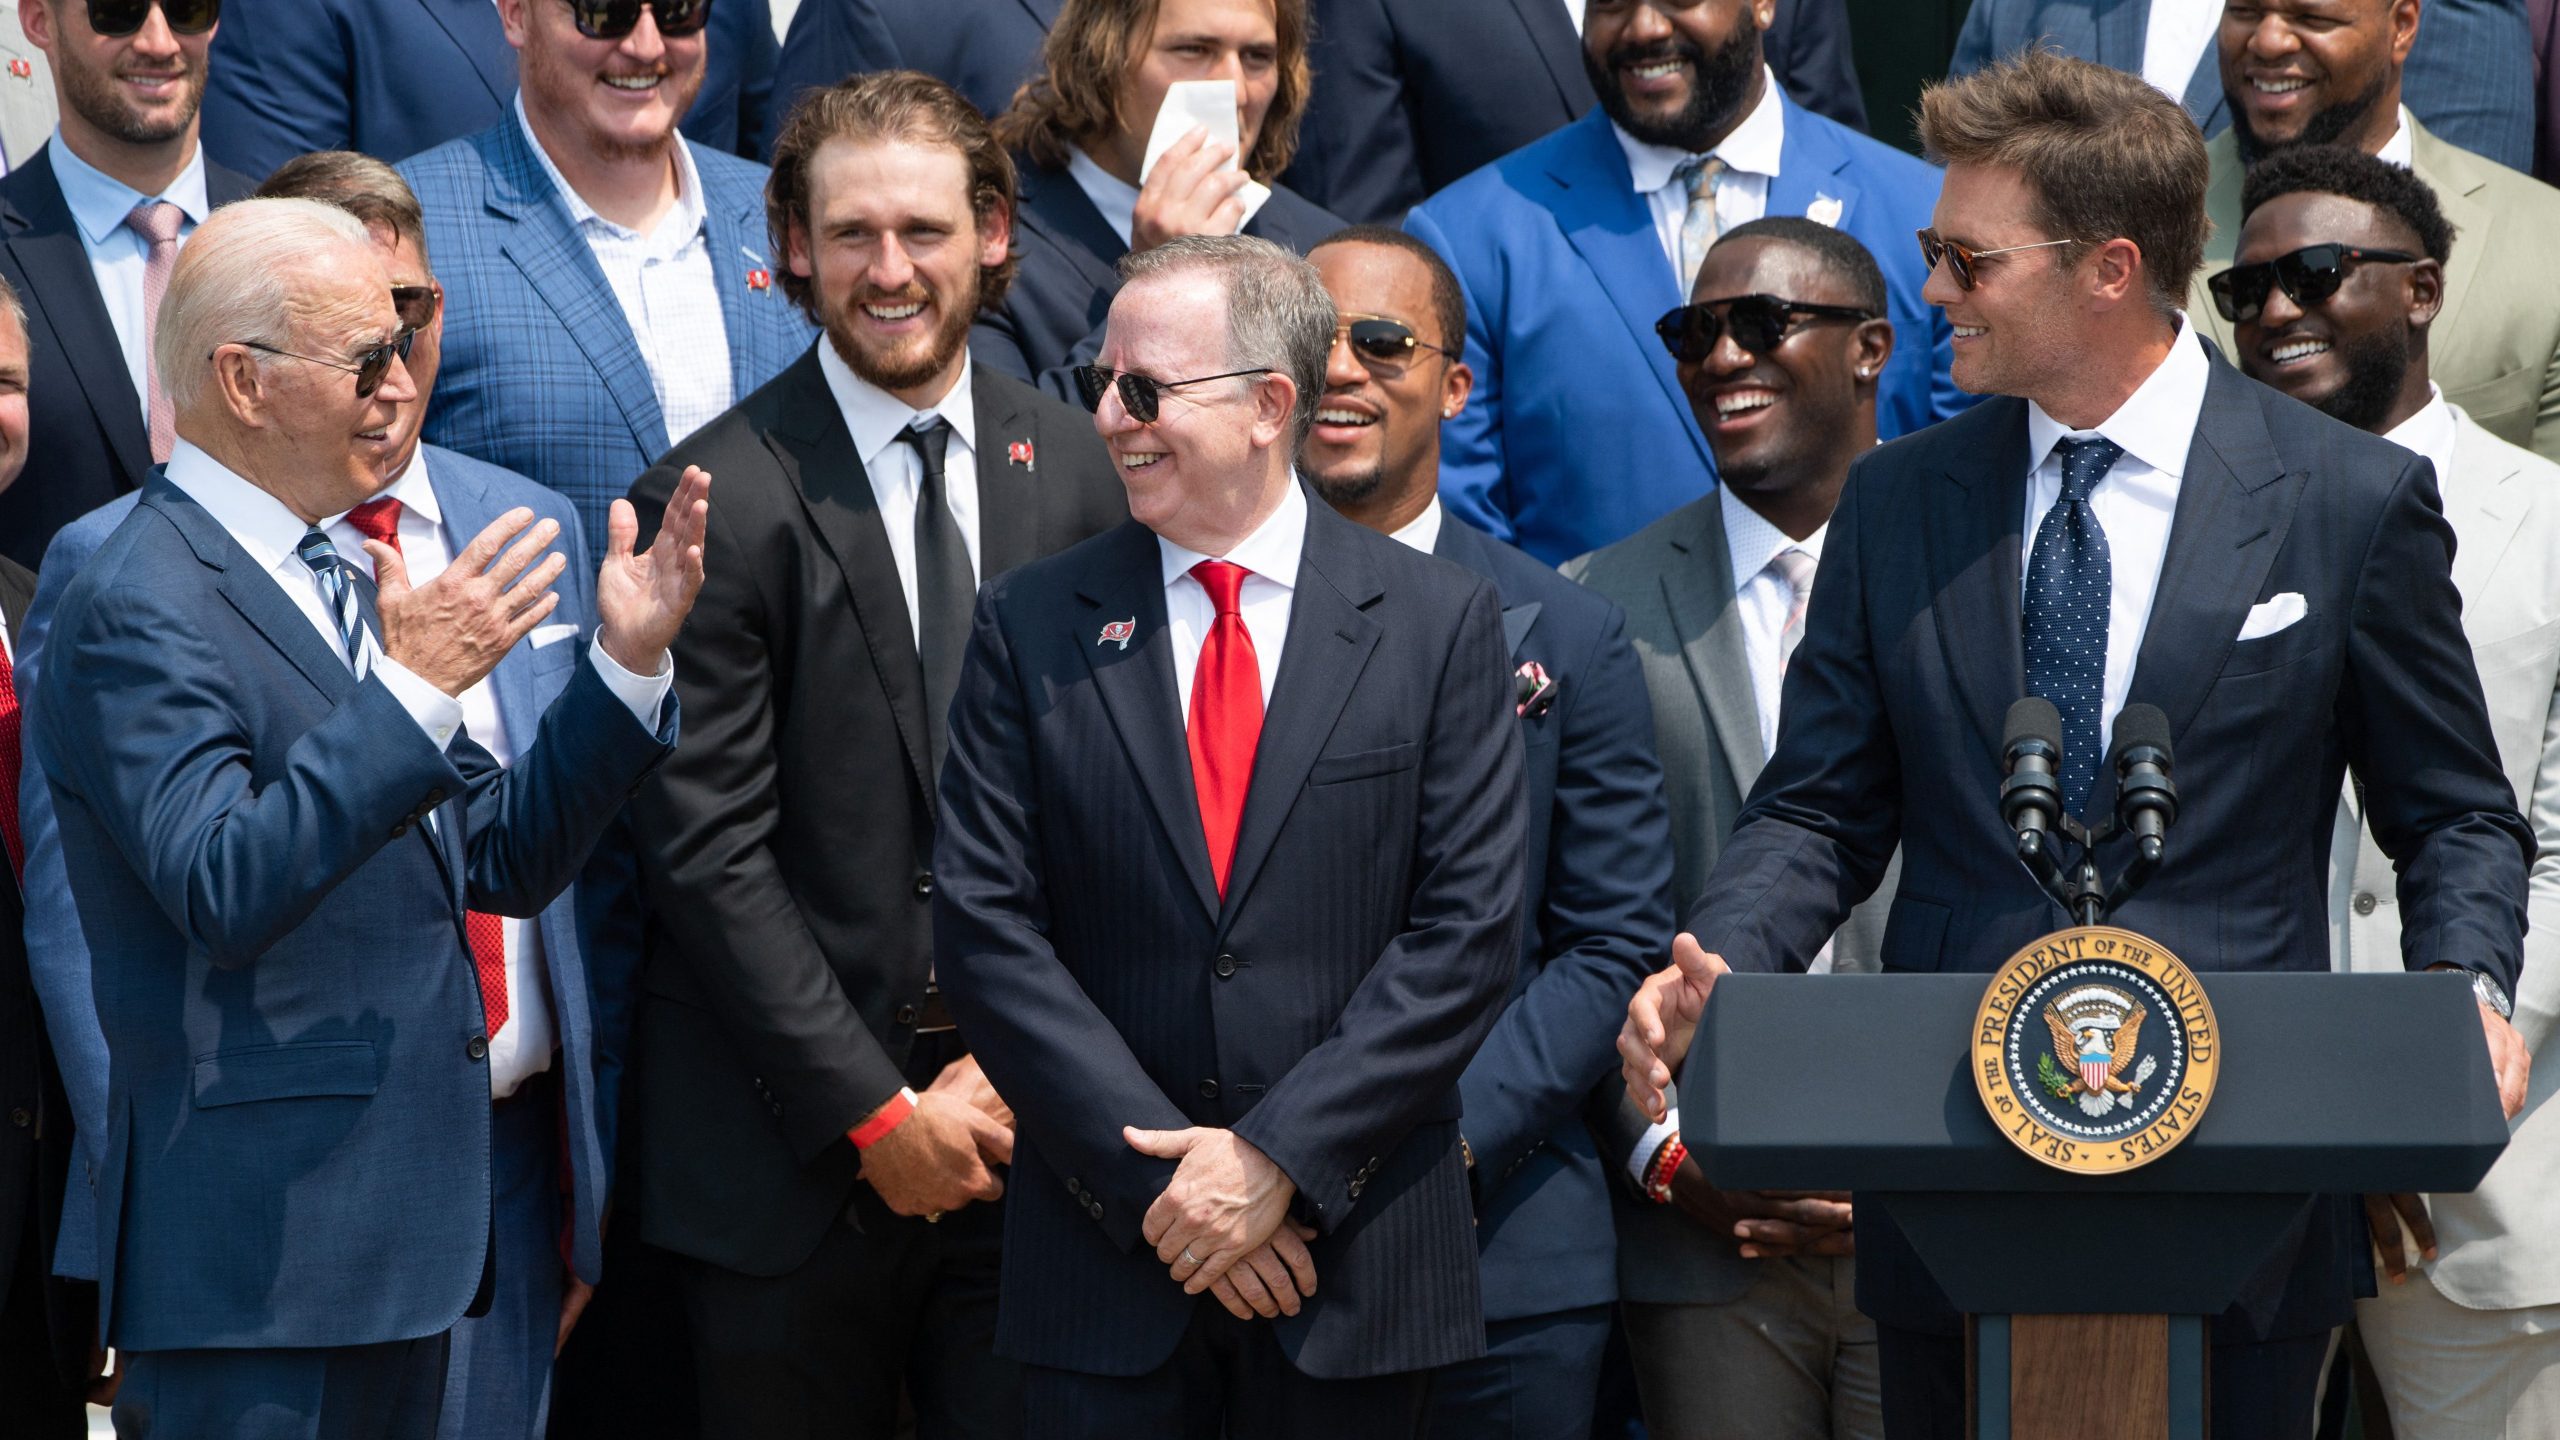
point(2068, 580)
point(339, 587)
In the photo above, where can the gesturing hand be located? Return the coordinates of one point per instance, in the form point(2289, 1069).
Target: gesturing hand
point(642, 599)
point(453, 630)
point(1190, 192)
point(1661, 1019)
point(936, 1159)
point(1225, 1201)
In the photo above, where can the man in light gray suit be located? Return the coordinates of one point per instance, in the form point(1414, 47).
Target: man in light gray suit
point(2465, 1335)
point(26, 92)
point(1740, 1306)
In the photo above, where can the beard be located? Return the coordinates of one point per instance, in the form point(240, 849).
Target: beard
point(94, 96)
point(1718, 87)
point(1357, 488)
point(2377, 366)
point(2323, 128)
point(912, 363)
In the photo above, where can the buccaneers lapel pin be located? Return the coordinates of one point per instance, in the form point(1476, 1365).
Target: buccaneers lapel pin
point(1019, 452)
point(1534, 691)
point(1825, 211)
point(759, 273)
point(20, 70)
point(1119, 630)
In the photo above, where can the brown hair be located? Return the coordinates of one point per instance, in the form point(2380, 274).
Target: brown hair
point(1075, 99)
point(886, 105)
point(2107, 155)
point(358, 184)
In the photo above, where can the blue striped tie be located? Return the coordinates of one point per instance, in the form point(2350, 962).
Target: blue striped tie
point(338, 587)
point(2069, 577)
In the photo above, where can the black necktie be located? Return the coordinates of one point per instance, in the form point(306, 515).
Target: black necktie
point(946, 586)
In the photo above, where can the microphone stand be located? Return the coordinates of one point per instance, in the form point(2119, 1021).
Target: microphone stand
point(2076, 887)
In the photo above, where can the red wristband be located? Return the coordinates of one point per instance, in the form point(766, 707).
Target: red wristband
point(883, 1120)
point(1666, 1164)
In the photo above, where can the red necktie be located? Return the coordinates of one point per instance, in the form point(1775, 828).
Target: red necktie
point(1226, 715)
point(380, 520)
point(9, 759)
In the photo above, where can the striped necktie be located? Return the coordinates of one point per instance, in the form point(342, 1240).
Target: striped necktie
point(346, 607)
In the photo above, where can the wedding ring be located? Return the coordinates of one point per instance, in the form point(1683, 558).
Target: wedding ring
point(933, 1217)
point(1190, 1259)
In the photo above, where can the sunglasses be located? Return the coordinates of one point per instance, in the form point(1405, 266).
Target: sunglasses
point(613, 19)
point(2307, 276)
point(119, 18)
point(1759, 324)
point(1382, 341)
point(417, 305)
point(369, 367)
point(1138, 394)
point(1963, 261)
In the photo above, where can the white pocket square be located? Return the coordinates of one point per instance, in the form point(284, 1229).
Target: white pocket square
point(548, 635)
point(2268, 617)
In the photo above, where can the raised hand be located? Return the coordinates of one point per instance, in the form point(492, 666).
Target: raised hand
point(1225, 1201)
point(642, 599)
point(1190, 192)
point(1661, 1019)
point(453, 630)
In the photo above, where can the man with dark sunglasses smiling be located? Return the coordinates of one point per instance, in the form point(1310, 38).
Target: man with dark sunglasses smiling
point(86, 226)
point(2466, 1338)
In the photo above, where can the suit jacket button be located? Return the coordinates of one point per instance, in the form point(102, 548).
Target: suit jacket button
point(478, 1049)
point(777, 1109)
point(434, 799)
point(20, 1118)
point(400, 829)
point(906, 1015)
point(1226, 967)
point(2365, 902)
point(1208, 1089)
point(1356, 1187)
point(1093, 1208)
point(924, 887)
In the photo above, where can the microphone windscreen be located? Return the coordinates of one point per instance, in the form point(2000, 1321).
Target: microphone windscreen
point(2033, 718)
point(2142, 727)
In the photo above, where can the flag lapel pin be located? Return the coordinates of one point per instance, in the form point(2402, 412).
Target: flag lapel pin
point(1119, 630)
point(1019, 453)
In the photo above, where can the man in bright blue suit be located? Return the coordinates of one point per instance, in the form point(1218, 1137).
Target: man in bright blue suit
point(394, 77)
point(278, 825)
point(1571, 249)
point(612, 282)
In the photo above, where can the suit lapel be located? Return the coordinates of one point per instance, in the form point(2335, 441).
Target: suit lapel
point(62, 287)
point(733, 225)
point(2482, 506)
point(1698, 589)
point(1126, 583)
point(1008, 490)
point(1974, 568)
point(1330, 638)
point(2470, 218)
point(1459, 544)
point(1063, 209)
point(1813, 173)
point(1552, 30)
point(476, 32)
point(252, 592)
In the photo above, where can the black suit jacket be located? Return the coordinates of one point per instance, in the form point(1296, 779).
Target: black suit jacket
point(1324, 1010)
point(787, 845)
point(1412, 94)
point(82, 414)
point(1051, 320)
point(1894, 705)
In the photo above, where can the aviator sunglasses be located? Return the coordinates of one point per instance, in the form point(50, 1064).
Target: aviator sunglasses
point(1138, 393)
point(369, 365)
point(116, 19)
point(2307, 276)
point(613, 19)
point(416, 305)
point(1759, 324)
point(1963, 261)
point(1382, 341)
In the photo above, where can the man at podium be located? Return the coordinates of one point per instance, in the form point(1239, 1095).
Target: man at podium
point(2135, 522)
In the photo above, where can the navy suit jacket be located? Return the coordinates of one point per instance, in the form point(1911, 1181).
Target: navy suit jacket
point(1891, 726)
point(1323, 1010)
point(90, 437)
point(2470, 77)
point(1413, 95)
point(541, 372)
point(984, 49)
point(1596, 918)
point(1052, 317)
point(271, 920)
point(1578, 434)
point(394, 77)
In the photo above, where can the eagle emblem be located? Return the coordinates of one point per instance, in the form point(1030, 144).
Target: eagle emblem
point(2097, 1031)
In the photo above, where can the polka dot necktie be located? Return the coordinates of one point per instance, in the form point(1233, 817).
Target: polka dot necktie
point(2068, 580)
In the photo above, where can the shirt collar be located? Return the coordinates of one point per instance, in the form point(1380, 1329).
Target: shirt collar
point(2397, 148)
point(99, 202)
point(875, 416)
point(674, 231)
point(1271, 551)
point(1752, 542)
point(1422, 532)
point(2156, 424)
point(1752, 148)
point(415, 492)
point(1116, 198)
point(257, 521)
point(2431, 432)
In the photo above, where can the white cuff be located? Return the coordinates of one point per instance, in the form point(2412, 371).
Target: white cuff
point(645, 696)
point(438, 714)
point(1661, 1130)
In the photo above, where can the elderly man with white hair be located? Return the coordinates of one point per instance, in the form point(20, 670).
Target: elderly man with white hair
point(277, 823)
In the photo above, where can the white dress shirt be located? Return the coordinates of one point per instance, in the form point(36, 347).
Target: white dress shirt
point(2135, 501)
point(1270, 554)
point(1422, 532)
point(2397, 148)
point(1763, 600)
point(664, 283)
point(1574, 9)
point(117, 252)
point(876, 418)
point(2432, 433)
point(2174, 40)
point(1750, 156)
point(1117, 199)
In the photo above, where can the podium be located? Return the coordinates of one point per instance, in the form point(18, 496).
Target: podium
point(2330, 1084)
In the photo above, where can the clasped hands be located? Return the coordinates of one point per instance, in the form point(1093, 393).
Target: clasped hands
point(1222, 1225)
point(945, 1154)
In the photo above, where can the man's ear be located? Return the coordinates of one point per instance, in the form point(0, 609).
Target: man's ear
point(1275, 408)
point(995, 236)
point(1873, 340)
point(2119, 272)
point(2426, 292)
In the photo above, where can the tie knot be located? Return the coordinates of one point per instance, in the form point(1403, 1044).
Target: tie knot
point(1224, 580)
point(378, 520)
point(2084, 464)
point(930, 437)
point(317, 552)
point(1795, 567)
point(156, 221)
point(1697, 174)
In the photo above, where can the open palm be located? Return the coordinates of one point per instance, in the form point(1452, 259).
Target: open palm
point(643, 598)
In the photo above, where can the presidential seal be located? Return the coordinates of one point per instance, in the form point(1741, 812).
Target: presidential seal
point(2095, 1050)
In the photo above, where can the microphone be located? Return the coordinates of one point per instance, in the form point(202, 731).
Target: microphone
point(2146, 795)
point(2030, 752)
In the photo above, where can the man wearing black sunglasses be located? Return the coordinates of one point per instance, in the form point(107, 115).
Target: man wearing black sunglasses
point(2461, 1340)
point(89, 230)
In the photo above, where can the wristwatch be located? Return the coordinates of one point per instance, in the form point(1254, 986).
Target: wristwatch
point(2493, 995)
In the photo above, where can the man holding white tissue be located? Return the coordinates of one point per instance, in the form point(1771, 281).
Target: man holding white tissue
point(1150, 119)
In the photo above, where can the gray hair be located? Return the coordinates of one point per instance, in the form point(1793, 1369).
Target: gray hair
point(1278, 312)
point(238, 280)
point(12, 307)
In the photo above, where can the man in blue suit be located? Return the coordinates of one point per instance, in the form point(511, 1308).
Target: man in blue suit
point(611, 282)
point(2131, 522)
point(394, 77)
point(261, 767)
point(1596, 915)
point(2470, 77)
point(566, 975)
point(1571, 249)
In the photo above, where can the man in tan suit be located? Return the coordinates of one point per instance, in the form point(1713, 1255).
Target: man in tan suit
point(26, 92)
point(2465, 1336)
point(2301, 74)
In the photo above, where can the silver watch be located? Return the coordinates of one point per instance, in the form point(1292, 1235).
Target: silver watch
point(2493, 995)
